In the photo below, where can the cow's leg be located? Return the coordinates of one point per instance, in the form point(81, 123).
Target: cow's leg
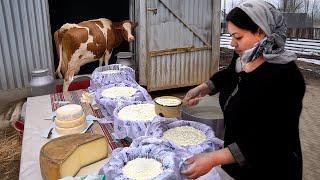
point(68, 79)
point(101, 61)
point(60, 60)
point(66, 85)
point(107, 56)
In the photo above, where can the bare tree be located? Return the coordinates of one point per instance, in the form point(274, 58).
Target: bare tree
point(315, 11)
point(306, 6)
point(291, 5)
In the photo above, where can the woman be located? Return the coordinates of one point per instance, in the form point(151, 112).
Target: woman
point(261, 94)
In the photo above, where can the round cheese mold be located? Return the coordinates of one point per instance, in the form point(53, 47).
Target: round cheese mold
point(138, 112)
point(114, 92)
point(142, 169)
point(184, 135)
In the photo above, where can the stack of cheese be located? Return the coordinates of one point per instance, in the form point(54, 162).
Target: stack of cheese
point(184, 135)
point(66, 155)
point(138, 112)
point(142, 169)
point(121, 91)
point(70, 119)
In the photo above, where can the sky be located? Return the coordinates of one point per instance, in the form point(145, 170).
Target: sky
point(229, 3)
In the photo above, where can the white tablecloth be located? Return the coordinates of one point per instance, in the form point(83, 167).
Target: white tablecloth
point(38, 108)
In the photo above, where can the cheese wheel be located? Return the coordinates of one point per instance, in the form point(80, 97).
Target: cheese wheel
point(114, 92)
point(69, 112)
point(185, 135)
point(142, 169)
point(138, 112)
point(66, 155)
point(71, 130)
point(70, 123)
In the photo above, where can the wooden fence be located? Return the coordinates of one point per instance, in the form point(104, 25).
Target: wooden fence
point(303, 33)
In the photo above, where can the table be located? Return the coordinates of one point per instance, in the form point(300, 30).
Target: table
point(38, 108)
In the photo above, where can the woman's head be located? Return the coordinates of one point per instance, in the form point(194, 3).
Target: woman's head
point(244, 32)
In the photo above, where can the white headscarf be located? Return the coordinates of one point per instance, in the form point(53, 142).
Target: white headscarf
point(272, 22)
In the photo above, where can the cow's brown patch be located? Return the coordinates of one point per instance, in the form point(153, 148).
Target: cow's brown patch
point(72, 39)
point(99, 23)
point(98, 46)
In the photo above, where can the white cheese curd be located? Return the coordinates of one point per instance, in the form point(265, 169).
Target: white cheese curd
point(110, 72)
point(114, 92)
point(184, 135)
point(139, 112)
point(168, 101)
point(142, 169)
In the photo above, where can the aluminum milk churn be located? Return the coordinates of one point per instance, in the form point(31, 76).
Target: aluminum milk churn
point(41, 82)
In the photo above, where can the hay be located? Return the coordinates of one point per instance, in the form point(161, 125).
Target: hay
point(10, 152)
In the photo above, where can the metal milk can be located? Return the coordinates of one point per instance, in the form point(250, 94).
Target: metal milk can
point(41, 82)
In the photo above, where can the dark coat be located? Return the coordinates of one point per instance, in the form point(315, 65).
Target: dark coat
point(262, 118)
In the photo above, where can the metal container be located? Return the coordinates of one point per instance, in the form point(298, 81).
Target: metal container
point(169, 111)
point(125, 58)
point(208, 112)
point(41, 82)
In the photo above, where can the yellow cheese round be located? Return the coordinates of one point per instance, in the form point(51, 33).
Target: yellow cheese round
point(66, 155)
point(69, 112)
point(185, 135)
point(138, 112)
point(70, 123)
point(114, 92)
point(142, 169)
point(72, 130)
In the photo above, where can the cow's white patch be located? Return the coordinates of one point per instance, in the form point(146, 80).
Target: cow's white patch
point(106, 23)
point(86, 56)
point(127, 26)
point(69, 26)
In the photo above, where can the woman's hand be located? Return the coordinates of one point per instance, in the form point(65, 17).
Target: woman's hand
point(198, 165)
point(193, 96)
point(201, 164)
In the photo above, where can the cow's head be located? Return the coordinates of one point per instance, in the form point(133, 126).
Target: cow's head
point(127, 30)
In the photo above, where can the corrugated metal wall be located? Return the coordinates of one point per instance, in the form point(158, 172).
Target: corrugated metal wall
point(165, 31)
point(25, 41)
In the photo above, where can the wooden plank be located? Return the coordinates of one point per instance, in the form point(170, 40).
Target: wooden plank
point(215, 36)
point(163, 52)
point(142, 43)
point(184, 23)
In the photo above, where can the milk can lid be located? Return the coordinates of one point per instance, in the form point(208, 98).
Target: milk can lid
point(40, 72)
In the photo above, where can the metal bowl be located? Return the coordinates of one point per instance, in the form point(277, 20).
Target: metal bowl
point(208, 111)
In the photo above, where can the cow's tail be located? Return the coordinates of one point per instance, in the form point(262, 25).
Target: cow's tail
point(58, 35)
point(58, 43)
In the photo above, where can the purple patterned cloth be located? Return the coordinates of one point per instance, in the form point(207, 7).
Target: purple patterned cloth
point(130, 128)
point(159, 126)
point(148, 147)
point(100, 76)
point(109, 104)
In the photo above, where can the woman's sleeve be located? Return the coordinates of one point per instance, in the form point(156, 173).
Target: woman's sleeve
point(215, 83)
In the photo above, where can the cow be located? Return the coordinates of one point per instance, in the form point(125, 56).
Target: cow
point(88, 41)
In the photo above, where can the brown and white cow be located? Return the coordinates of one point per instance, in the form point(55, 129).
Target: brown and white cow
point(88, 41)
